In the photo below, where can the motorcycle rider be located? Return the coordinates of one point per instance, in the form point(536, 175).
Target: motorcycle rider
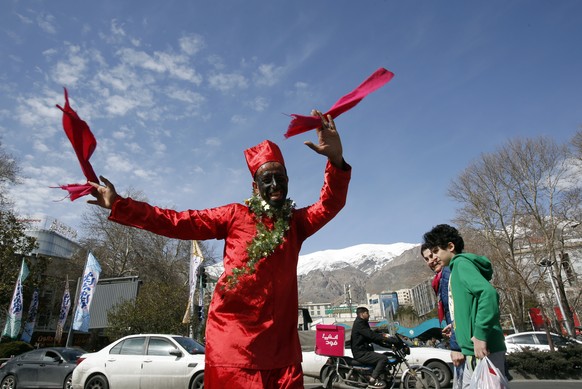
point(362, 349)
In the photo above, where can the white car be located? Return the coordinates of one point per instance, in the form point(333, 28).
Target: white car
point(149, 361)
point(436, 359)
point(537, 340)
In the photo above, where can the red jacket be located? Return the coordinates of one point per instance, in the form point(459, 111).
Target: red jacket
point(253, 325)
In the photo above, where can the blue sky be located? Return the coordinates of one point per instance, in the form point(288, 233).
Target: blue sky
point(174, 91)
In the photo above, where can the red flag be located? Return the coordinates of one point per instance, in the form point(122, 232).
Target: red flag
point(84, 144)
point(301, 124)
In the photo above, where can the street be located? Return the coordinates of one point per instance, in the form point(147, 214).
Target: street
point(516, 384)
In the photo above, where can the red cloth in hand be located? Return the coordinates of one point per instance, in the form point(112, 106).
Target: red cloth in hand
point(300, 124)
point(84, 144)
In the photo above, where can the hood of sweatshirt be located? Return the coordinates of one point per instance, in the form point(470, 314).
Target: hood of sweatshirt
point(482, 263)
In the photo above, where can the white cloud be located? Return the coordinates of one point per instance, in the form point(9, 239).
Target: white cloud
point(259, 104)
point(46, 23)
point(161, 62)
point(24, 19)
point(145, 174)
point(268, 74)
point(117, 163)
point(197, 169)
point(215, 142)
point(39, 146)
point(186, 96)
point(49, 52)
point(191, 44)
point(122, 133)
point(70, 71)
point(215, 61)
point(37, 111)
point(116, 28)
point(134, 147)
point(238, 119)
point(118, 78)
point(120, 105)
point(225, 82)
point(160, 148)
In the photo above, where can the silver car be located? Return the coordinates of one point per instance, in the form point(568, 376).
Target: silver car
point(50, 367)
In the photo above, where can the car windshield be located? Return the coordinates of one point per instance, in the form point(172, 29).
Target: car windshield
point(71, 355)
point(190, 345)
point(561, 341)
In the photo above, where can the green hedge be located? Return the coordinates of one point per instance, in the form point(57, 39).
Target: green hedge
point(565, 363)
point(14, 348)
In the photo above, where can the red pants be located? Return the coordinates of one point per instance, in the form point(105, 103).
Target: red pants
point(218, 377)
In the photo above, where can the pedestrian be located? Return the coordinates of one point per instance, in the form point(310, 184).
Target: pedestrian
point(251, 332)
point(473, 302)
point(440, 285)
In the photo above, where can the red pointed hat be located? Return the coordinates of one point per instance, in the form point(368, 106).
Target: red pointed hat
point(264, 152)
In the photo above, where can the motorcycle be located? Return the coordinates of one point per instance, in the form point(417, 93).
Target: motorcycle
point(347, 373)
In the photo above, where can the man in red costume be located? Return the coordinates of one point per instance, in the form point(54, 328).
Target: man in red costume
point(251, 332)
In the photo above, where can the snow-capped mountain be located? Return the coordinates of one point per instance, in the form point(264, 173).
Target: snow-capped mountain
point(365, 257)
point(367, 268)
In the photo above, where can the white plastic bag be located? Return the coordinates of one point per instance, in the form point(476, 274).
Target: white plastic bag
point(487, 376)
point(458, 377)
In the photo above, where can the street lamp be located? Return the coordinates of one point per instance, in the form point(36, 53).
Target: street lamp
point(548, 264)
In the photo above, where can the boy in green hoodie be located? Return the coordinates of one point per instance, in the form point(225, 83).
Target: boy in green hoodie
point(473, 301)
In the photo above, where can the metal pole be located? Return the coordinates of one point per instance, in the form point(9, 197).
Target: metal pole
point(564, 319)
point(513, 324)
point(70, 335)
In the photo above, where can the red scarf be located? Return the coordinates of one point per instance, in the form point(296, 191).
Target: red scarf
point(84, 144)
point(300, 124)
point(435, 285)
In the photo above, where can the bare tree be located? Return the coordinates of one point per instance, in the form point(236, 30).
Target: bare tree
point(14, 243)
point(124, 251)
point(8, 174)
point(518, 200)
point(577, 144)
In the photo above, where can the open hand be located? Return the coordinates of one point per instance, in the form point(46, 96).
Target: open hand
point(105, 194)
point(329, 142)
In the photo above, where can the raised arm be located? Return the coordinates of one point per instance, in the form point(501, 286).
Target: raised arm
point(329, 142)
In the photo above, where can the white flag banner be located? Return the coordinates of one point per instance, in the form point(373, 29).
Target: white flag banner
point(64, 312)
point(14, 319)
point(195, 262)
point(31, 319)
point(88, 285)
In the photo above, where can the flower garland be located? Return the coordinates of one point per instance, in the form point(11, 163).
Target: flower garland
point(265, 241)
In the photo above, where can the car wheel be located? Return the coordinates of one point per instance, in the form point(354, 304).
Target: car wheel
point(442, 372)
point(97, 382)
point(9, 382)
point(68, 382)
point(198, 382)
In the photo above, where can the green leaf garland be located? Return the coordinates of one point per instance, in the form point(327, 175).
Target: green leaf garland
point(265, 241)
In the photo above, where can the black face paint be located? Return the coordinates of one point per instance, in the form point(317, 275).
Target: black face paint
point(273, 182)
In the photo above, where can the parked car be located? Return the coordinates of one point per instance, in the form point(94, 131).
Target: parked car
point(536, 340)
point(436, 359)
point(147, 361)
point(50, 367)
